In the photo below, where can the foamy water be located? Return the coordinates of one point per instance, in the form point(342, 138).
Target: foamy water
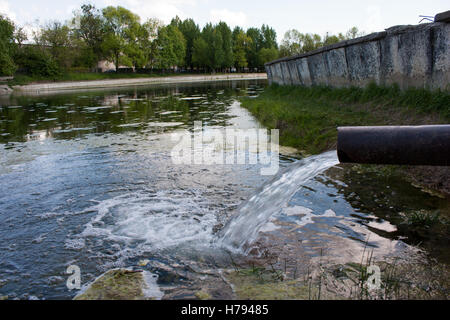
point(155, 221)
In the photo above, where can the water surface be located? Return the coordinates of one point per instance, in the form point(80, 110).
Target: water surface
point(87, 178)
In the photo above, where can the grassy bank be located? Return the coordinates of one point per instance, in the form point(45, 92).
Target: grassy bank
point(308, 117)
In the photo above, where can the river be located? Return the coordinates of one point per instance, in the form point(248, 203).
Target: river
point(88, 179)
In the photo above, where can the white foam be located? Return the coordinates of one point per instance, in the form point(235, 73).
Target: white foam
point(297, 210)
point(156, 220)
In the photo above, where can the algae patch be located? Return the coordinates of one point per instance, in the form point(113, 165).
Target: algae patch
point(262, 285)
point(122, 284)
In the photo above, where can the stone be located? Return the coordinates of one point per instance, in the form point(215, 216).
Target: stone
point(122, 284)
point(442, 17)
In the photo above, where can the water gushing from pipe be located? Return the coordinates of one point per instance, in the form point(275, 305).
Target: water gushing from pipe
point(242, 229)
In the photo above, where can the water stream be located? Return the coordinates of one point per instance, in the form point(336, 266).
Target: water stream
point(272, 198)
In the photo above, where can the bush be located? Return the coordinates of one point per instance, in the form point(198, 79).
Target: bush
point(36, 62)
point(7, 66)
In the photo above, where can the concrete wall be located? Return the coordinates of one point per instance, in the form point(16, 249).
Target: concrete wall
point(411, 56)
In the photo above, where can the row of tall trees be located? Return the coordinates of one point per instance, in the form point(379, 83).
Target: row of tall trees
point(118, 35)
point(295, 42)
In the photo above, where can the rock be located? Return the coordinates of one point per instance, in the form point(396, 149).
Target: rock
point(122, 284)
point(202, 295)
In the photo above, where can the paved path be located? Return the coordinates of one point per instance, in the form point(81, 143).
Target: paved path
point(71, 85)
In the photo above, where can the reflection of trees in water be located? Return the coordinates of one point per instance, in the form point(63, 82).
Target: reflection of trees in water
point(71, 115)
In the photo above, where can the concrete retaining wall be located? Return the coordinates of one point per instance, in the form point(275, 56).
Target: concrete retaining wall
point(411, 56)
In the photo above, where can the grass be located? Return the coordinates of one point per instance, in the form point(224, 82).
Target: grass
point(308, 117)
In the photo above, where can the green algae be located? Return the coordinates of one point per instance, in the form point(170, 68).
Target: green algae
point(203, 295)
point(117, 284)
point(263, 285)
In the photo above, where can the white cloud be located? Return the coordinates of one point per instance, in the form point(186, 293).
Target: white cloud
point(6, 10)
point(232, 18)
point(164, 10)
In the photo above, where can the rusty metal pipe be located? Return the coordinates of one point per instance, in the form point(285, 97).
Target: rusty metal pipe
point(409, 145)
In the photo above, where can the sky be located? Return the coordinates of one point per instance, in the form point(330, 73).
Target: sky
point(313, 16)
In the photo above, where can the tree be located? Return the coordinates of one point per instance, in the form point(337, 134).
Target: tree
point(190, 31)
point(292, 43)
point(37, 61)
point(172, 47)
point(7, 66)
point(267, 55)
point(269, 37)
point(241, 43)
point(353, 33)
point(90, 28)
point(200, 53)
point(122, 27)
point(227, 44)
point(254, 47)
point(295, 42)
point(56, 37)
point(148, 40)
point(331, 39)
point(215, 55)
point(20, 36)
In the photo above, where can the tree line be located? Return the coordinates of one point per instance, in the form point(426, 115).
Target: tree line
point(117, 35)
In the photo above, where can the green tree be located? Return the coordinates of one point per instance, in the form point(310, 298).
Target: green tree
point(295, 42)
point(56, 38)
point(37, 61)
point(292, 43)
point(20, 36)
point(148, 40)
point(172, 47)
point(241, 42)
point(7, 66)
point(331, 39)
point(215, 53)
point(122, 27)
point(190, 31)
point(269, 37)
point(90, 28)
point(267, 55)
point(254, 47)
point(200, 53)
point(227, 45)
point(353, 33)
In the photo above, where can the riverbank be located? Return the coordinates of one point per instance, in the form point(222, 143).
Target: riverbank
point(128, 81)
point(308, 117)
